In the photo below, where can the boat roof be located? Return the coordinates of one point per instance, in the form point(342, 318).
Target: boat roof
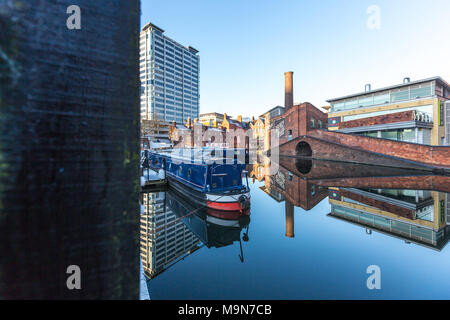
point(205, 155)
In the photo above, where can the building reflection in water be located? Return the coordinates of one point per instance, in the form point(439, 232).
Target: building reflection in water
point(164, 238)
point(172, 228)
point(413, 215)
point(411, 205)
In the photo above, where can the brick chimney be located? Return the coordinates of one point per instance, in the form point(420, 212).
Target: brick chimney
point(288, 90)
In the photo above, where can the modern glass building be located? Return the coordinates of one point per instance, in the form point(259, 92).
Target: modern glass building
point(169, 74)
point(414, 111)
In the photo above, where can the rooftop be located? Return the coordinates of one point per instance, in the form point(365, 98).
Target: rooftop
point(271, 110)
point(192, 49)
point(439, 79)
point(211, 114)
point(153, 26)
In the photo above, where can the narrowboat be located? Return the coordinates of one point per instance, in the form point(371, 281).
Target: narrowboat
point(210, 226)
point(210, 177)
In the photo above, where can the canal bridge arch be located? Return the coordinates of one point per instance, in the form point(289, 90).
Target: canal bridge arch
point(327, 145)
point(303, 149)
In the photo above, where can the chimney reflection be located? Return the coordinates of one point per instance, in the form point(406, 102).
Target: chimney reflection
point(289, 209)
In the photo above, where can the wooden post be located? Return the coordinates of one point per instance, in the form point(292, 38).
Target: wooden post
point(69, 137)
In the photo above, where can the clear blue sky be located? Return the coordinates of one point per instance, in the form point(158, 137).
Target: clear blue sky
point(246, 46)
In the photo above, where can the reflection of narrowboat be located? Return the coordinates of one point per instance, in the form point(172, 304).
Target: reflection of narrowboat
point(210, 177)
point(212, 227)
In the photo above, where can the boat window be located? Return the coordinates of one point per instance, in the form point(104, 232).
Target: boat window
point(189, 172)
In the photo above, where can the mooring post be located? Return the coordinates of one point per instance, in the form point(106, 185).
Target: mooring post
point(69, 137)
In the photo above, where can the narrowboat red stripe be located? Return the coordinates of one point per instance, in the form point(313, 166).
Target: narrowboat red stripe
point(227, 215)
point(226, 206)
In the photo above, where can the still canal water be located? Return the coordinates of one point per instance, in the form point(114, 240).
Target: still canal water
point(314, 229)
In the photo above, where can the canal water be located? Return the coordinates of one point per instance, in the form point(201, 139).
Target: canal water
point(317, 230)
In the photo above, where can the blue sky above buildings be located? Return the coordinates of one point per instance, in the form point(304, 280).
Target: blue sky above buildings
point(246, 46)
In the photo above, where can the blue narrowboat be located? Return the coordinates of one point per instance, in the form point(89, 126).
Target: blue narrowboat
point(211, 177)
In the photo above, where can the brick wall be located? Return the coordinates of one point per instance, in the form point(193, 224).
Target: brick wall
point(432, 155)
point(327, 149)
point(383, 119)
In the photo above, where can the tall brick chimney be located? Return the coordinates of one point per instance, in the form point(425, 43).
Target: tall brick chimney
point(288, 90)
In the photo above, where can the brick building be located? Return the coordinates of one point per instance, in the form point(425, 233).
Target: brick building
point(297, 120)
point(230, 134)
point(212, 119)
point(414, 111)
point(402, 132)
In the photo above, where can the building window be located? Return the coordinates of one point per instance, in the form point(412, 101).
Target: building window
point(313, 123)
point(389, 134)
point(407, 135)
point(319, 123)
point(289, 135)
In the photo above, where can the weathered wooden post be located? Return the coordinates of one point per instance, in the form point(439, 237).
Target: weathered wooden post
point(69, 149)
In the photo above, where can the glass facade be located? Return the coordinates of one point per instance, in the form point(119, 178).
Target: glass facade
point(405, 93)
point(170, 78)
point(427, 110)
point(423, 136)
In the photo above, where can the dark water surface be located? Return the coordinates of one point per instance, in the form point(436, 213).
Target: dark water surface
point(314, 230)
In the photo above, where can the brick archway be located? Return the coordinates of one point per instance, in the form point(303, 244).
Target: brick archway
point(303, 149)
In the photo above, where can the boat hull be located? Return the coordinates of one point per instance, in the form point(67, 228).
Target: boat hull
point(238, 201)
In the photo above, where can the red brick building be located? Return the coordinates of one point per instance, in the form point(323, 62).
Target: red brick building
point(297, 121)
